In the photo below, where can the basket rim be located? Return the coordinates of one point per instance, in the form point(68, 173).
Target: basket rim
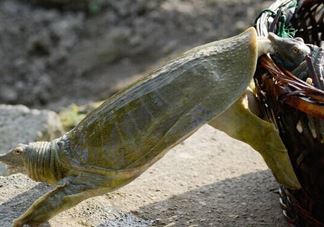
point(292, 90)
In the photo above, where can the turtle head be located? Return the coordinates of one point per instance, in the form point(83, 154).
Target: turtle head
point(288, 52)
point(14, 159)
point(38, 160)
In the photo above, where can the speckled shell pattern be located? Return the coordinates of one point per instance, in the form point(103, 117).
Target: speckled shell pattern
point(134, 128)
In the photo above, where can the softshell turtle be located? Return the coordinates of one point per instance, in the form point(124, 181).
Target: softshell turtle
point(129, 132)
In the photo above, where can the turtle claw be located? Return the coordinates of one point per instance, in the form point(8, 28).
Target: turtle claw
point(21, 223)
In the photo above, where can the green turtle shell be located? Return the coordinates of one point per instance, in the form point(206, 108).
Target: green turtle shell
point(135, 127)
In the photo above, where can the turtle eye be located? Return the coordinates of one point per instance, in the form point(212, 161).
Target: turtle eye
point(295, 50)
point(18, 150)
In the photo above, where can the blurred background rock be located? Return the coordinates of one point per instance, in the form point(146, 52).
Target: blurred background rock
point(58, 52)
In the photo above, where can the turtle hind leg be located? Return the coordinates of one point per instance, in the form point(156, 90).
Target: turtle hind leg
point(73, 191)
point(240, 123)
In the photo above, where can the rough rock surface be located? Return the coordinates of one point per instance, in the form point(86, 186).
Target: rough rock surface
point(52, 58)
point(19, 124)
point(208, 180)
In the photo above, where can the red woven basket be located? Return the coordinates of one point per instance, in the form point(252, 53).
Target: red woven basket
point(296, 108)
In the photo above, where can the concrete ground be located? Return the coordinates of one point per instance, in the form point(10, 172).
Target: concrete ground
point(208, 180)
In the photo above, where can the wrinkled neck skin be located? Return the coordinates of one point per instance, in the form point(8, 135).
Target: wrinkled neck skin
point(264, 46)
point(42, 162)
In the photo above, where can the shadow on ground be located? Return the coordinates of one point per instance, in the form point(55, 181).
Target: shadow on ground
point(15, 206)
point(248, 200)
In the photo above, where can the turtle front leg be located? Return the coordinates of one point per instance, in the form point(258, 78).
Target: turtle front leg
point(73, 191)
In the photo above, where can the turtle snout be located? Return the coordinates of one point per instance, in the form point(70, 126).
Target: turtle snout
point(272, 37)
point(14, 159)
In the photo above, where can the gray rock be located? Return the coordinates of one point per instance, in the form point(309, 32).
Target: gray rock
point(18, 124)
point(90, 51)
